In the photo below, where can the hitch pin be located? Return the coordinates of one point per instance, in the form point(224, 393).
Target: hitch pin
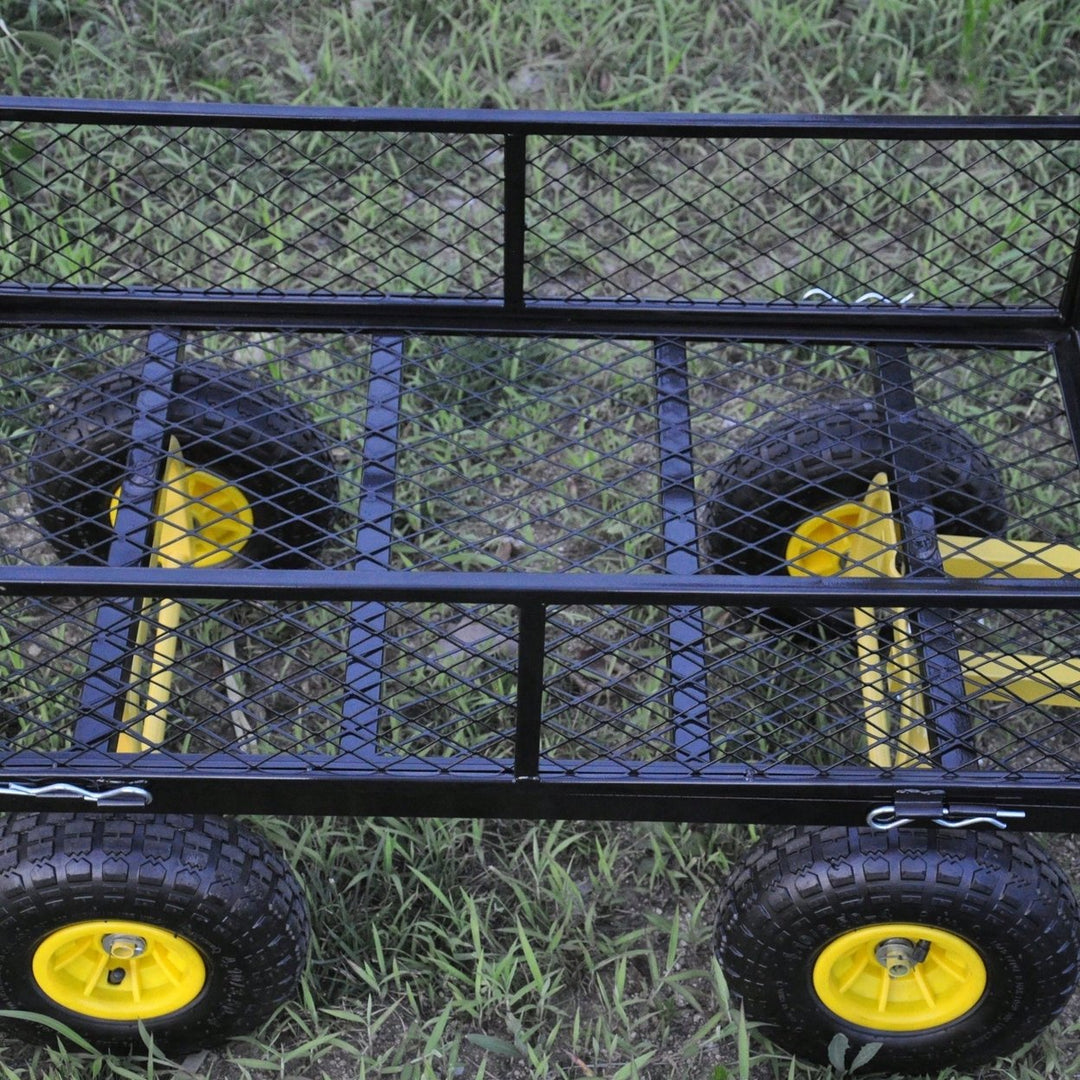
point(883, 818)
point(119, 797)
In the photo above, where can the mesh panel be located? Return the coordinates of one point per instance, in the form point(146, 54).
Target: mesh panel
point(543, 454)
point(262, 683)
point(973, 222)
point(224, 211)
point(762, 220)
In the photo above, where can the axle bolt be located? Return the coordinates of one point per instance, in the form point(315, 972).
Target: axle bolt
point(897, 957)
point(123, 946)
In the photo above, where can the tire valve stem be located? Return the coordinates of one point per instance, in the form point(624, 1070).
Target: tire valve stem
point(899, 957)
point(116, 976)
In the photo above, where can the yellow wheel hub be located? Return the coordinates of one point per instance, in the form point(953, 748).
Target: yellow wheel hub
point(115, 969)
point(899, 977)
point(202, 519)
point(820, 546)
point(858, 539)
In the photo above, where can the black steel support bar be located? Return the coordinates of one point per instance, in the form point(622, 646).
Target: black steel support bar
point(686, 629)
point(514, 224)
point(112, 113)
point(42, 306)
point(106, 675)
point(532, 622)
point(1049, 803)
point(467, 586)
point(1067, 362)
point(947, 721)
point(367, 618)
point(1070, 293)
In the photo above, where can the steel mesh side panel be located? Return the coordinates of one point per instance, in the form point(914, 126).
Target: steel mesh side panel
point(231, 211)
point(763, 220)
point(933, 222)
point(261, 686)
point(545, 455)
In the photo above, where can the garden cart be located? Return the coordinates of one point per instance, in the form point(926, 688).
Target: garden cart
point(706, 469)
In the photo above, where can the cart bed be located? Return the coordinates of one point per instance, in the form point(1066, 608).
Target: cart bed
point(529, 347)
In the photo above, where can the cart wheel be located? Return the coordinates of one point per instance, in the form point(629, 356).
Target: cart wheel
point(192, 925)
point(256, 479)
point(819, 460)
point(947, 947)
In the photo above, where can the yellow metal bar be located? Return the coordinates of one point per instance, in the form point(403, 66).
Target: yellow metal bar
point(144, 718)
point(159, 678)
point(145, 709)
point(874, 680)
point(905, 680)
point(1028, 677)
point(889, 676)
point(126, 743)
point(976, 557)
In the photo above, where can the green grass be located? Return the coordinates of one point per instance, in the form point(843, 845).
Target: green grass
point(780, 55)
point(483, 949)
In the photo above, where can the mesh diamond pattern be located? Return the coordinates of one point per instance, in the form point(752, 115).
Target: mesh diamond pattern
point(228, 211)
point(550, 455)
point(767, 220)
point(225, 211)
point(539, 454)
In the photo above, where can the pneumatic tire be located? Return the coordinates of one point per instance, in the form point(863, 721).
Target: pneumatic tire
point(824, 457)
point(809, 922)
point(190, 924)
point(244, 435)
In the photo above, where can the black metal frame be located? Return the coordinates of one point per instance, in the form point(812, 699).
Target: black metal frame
point(689, 787)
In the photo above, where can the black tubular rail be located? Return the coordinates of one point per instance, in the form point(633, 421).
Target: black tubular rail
point(693, 782)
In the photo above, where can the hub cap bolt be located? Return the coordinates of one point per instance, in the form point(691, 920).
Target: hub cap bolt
point(123, 946)
point(897, 957)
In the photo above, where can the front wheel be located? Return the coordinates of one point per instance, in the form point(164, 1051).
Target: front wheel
point(189, 924)
point(947, 948)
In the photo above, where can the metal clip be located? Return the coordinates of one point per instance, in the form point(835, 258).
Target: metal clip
point(994, 817)
point(866, 298)
point(884, 818)
point(114, 798)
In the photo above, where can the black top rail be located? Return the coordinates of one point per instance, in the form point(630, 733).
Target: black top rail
point(527, 588)
point(506, 121)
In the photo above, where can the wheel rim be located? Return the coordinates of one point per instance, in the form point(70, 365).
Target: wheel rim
point(820, 546)
point(114, 969)
point(852, 980)
point(202, 520)
point(860, 539)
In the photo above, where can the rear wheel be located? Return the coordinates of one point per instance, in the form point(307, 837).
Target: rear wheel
point(192, 925)
point(251, 478)
point(819, 460)
point(946, 947)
